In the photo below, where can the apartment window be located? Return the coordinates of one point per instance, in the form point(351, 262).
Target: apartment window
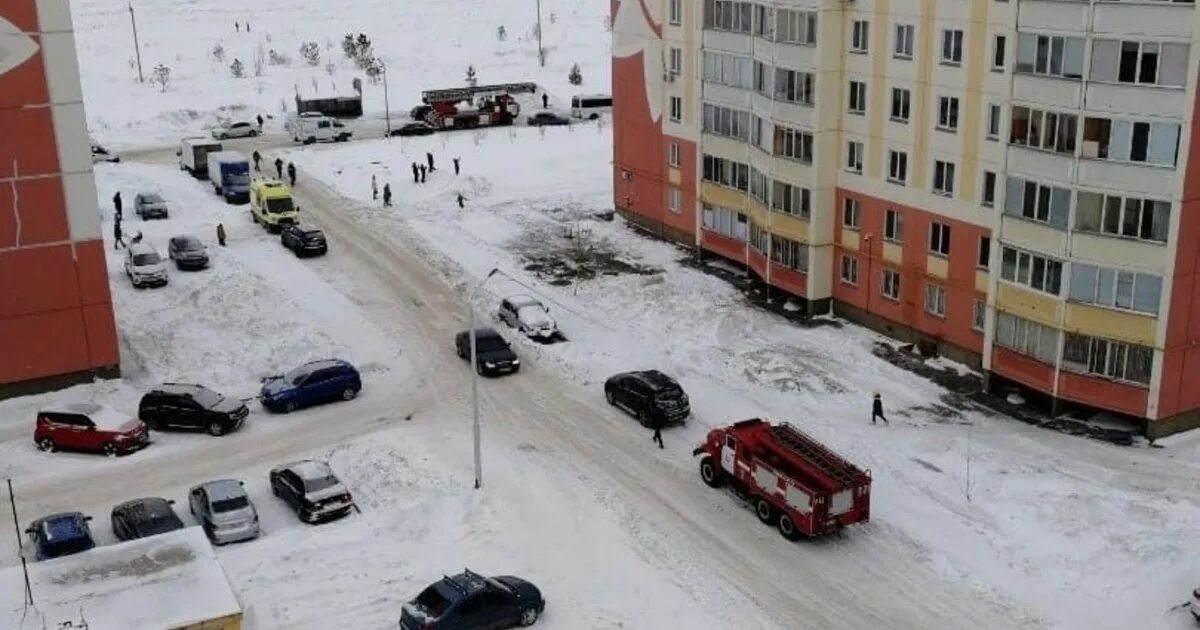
point(850, 210)
point(1037, 202)
point(1035, 271)
point(676, 61)
point(796, 27)
point(893, 226)
point(860, 36)
point(676, 109)
point(789, 253)
point(889, 285)
point(978, 315)
point(674, 200)
point(948, 113)
point(952, 47)
point(764, 22)
point(1107, 358)
point(1131, 141)
point(760, 239)
point(675, 12)
point(901, 98)
point(730, 70)
point(939, 239)
point(1037, 129)
point(726, 15)
point(726, 222)
point(1138, 62)
point(1050, 55)
point(726, 172)
point(993, 122)
point(849, 273)
point(1026, 337)
point(793, 86)
point(935, 300)
point(793, 143)
point(985, 252)
point(1115, 288)
point(854, 156)
point(943, 178)
point(998, 52)
point(904, 41)
point(897, 167)
point(790, 199)
point(988, 197)
point(673, 154)
point(1131, 217)
point(760, 185)
point(724, 121)
point(858, 97)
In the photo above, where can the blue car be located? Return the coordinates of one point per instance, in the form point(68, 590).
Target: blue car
point(60, 535)
point(310, 384)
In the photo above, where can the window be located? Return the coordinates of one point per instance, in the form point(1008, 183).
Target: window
point(760, 185)
point(904, 41)
point(793, 86)
point(858, 97)
point(724, 121)
point(793, 143)
point(952, 47)
point(935, 300)
point(790, 199)
point(998, 52)
point(889, 285)
point(726, 15)
point(789, 253)
point(897, 167)
point(676, 109)
point(674, 200)
point(1115, 288)
point(854, 156)
point(988, 196)
point(893, 226)
point(948, 113)
point(985, 252)
point(978, 315)
point(1110, 359)
point(850, 213)
point(726, 222)
point(901, 97)
point(676, 61)
point(1131, 141)
point(939, 239)
point(796, 27)
point(849, 269)
point(1050, 55)
point(993, 122)
point(760, 239)
point(1035, 271)
point(763, 77)
point(726, 172)
point(943, 178)
point(675, 12)
point(1026, 337)
point(1037, 202)
point(1113, 215)
point(726, 69)
point(673, 154)
point(1046, 130)
point(859, 38)
point(1139, 62)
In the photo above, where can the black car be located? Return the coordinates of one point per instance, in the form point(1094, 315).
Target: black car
point(304, 240)
point(140, 518)
point(547, 118)
point(420, 112)
point(188, 252)
point(469, 601)
point(492, 353)
point(311, 489)
point(414, 129)
point(195, 407)
point(648, 395)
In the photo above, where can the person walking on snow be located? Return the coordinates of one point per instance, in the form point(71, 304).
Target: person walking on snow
point(117, 241)
point(374, 189)
point(237, 27)
point(877, 410)
point(117, 205)
point(416, 173)
point(545, 101)
point(429, 159)
point(387, 195)
point(292, 174)
point(257, 158)
point(455, 160)
point(460, 200)
point(423, 171)
point(221, 234)
point(260, 120)
point(656, 423)
point(279, 168)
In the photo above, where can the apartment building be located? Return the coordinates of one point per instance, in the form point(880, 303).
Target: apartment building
point(1008, 179)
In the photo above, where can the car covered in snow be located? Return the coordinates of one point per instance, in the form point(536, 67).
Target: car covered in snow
point(191, 408)
point(89, 427)
point(59, 535)
point(141, 518)
point(304, 240)
point(313, 383)
point(188, 252)
point(312, 490)
point(144, 266)
point(100, 154)
point(224, 510)
point(240, 129)
point(648, 395)
point(150, 206)
point(547, 119)
point(529, 316)
point(469, 601)
point(414, 129)
point(493, 354)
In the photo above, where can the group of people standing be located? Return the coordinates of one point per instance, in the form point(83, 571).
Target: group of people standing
point(420, 172)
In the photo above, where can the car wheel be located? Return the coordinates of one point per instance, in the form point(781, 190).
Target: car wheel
point(289, 406)
point(764, 510)
point(608, 395)
point(253, 133)
point(109, 449)
point(644, 418)
point(713, 477)
point(529, 616)
point(46, 445)
point(349, 393)
point(787, 527)
point(215, 429)
point(594, 117)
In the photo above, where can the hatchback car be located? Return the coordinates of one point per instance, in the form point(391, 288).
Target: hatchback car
point(529, 316)
point(141, 518)
point(313, 383)
point(224, 510)
point(414, 129)
point(144, 266)
point(240, 129)
point(89, 427)
point(311, 489)
point(493, 354)
point(150, 206)
point(545, 119)
point(469, 601)
point(650, 396)
point(304, 240)
point(60, 535)
point(191, 407)
point(188, 252)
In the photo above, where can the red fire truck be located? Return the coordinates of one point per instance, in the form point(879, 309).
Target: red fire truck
point(468, 107)
point(792, 480)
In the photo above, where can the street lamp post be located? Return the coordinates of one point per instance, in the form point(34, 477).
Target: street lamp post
point(475, 381)
point(387, 109)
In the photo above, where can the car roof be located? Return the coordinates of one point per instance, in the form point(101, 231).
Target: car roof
point(146, 507)
point(523, 300)
point(306, 227)
point(655, 380)
point(309, 469)
point(219, 489)
point(179, 388)
point(150, 195)
point(61, 525)
point(103, 417)
point(483, 333)
point(464, 583)
point(185, 237)
point(321, 364)
point(141, 248)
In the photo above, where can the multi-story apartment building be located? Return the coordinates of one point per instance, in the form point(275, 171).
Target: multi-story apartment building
point(1014, 180)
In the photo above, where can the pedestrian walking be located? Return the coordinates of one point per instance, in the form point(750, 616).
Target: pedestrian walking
point(429, 159)
point(117, 205)
point(545, 101)
point(257, 158)
point(422, 167)
point(237, 27)
point(260, 121)
point(877, 410)
point(387, 195)
point(221, 234)
point(455, 166)
point(460, 200)
point(656, 423)
point(416, 173)
point(279, 168)
point(375, 189)
point(292, 174)
point(117, 240)
point(247, 27)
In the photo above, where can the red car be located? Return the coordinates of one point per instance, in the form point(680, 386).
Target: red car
point(89, 427)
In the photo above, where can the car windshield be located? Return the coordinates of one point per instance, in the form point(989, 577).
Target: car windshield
point(313, 485)
point(146, 259)
point(489, 344)
point(230, 504)
point(297, 376)
point(159, 525)
point(152, 198)
point(279, 206)
point(207, 398)
point(669, 394)
point(432, 600)
point(190, 245)
point(65, 547)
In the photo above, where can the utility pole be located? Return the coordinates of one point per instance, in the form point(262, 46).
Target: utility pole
point(387, 110)
point(12, 501)
point(541, 51)
point(136, 48)
point(475, 382)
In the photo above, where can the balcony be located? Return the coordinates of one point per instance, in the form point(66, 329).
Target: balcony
point(1033, 236)
point(1055, 93)
point(1146, 100)
point(1142, 20)
point(1054, 16)
point(1116, 251)
point(1133, 177)
point(1040, 165)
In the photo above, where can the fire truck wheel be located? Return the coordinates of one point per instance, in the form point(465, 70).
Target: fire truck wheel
point(765, 511)
point(709, 472)
point(787, 527)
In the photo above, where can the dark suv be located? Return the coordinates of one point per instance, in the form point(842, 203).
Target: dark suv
point(648, 395)
point(304, 240)
point(191, 407)
point(469, 601)
point(60, 535)
point(492, 353)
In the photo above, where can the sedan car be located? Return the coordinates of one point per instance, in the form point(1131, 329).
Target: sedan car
point(191, 407)
point(650, 396)
point(89, 427)
point(100, 154)
point(313, 383)
point(240, 129)
point(150, 206)
point(469, 601)
point(188, 252)
point(529, 316)
point(304, 240)
point(60, 535)
point(311, 489)
point(414, 129)
point(141, 518)
point(544, 119)
point(144, 266)
point(493, 354)
point(224, 510)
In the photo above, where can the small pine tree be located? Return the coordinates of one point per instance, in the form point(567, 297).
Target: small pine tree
point(576, 77)
point(218, 53)
point(162, 76)
point(373, 67)
point(237, 69)
point(363, 46)
point(501, 34)
point(311, 53)
point(472, 80)
point(349, 47)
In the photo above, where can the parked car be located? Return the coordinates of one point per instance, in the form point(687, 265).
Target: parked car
point(547, 119)
point(529, 316)
point(144, 266)
point(191, 407)
point(313, 383)
point(89, 427)
point(493, 354)
point(188, 252)
point(239, 129)
point(100, 154)
point(60, 535)
point(150, 206)
point(414, 129)
point(141, 518)
point(420, 112)
point(304, 240)
point(224, 510)
point(469, 601)
point(311, 489)
point(649, 396)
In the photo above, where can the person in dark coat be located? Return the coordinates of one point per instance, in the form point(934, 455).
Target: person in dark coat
point(423, 171)
point(455, 166)
point(460, 200)
point(429, 159)
point(237, 27)
point(117, 204)
point(117, 240)
point(387, 195)
point(374, 188)
point(221, 234)
point(877, 410)
point(656, 423)
point(416, 173)
point(292, 173)
point(260, 118)
point(279, 168)
point(257, 158)
point(545, 101)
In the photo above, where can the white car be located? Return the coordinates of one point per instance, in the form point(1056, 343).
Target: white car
point(235, 130)
point(529, 316)
point(144, 266)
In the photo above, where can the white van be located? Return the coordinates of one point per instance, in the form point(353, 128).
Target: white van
point(309, 128)
point(590, 106)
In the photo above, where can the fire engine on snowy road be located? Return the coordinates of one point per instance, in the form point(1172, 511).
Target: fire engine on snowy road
point(792, 480)
point(470, 107)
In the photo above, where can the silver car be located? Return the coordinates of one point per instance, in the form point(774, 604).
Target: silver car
point(224, 511)
point(235, 130)
point(150, 206)
point(529, 316)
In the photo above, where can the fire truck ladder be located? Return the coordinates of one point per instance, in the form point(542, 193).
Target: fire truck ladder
point(811, 451)
point(463, 93)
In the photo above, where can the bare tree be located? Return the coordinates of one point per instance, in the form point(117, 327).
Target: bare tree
point(162, 76)
point(237, 69)
point(218, 53)
point(311, 53)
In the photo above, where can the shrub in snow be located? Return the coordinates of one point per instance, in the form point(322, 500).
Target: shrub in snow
point(576, 77)
point(349, 47)
point(311, 53)
point(218, 53)
point(472, 80)
point(373, 67)
point(237, 69)
point(278, 58)
point(161, 75)
point(363, 45)
point(501, 34)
